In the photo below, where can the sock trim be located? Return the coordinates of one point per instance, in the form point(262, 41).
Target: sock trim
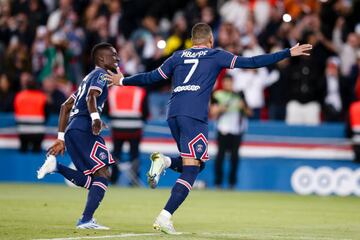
point(100, 184)
point(88, 182)
point(185, 183)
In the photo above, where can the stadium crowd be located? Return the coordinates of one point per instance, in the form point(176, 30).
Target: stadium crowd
point(49, 42)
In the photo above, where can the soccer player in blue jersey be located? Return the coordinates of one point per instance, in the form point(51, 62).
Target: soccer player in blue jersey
point(194, 72)
point(79, 129)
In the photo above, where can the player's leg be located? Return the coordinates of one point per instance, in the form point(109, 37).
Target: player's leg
point(95, 196)
point(219, 160)
point(193, 145)
point(117, 151)
point(160, 162)
point(76, 177)
point(96, 159)
point(134, 159)
point(234, 159)
point(179, 192)
point(36, 141)
point(24, 142)
point(74, 148)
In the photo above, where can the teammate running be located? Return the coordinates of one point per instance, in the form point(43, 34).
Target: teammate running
point(80, 113)
point(194, 72)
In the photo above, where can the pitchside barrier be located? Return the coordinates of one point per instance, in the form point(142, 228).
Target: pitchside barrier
point(274, 157)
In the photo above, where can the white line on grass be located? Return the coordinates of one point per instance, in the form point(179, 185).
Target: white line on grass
point(268, 236)
point(228, 235)
point(124, 235)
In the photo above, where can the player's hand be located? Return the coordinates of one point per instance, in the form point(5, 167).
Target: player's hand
point(115, 78)
point(57, 147)
point(96, 126)
point(300, 50)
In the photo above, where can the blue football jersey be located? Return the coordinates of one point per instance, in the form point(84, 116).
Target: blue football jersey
point(194, 72)
point(79, 115)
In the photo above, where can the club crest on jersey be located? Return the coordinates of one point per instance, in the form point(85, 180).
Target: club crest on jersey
point(102, 156)
point(199, 148)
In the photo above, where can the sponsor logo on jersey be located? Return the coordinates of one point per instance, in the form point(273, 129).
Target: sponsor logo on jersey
point(101, 79)
point(193, 88)
point(193, 54)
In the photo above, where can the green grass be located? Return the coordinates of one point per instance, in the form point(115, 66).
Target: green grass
point(50, 211)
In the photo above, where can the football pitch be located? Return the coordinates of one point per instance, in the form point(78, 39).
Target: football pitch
point(41, 211)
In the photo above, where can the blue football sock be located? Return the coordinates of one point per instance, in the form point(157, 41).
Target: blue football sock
point(96, 194)
point(74, 176)
point(176, 164)
point(182, 188)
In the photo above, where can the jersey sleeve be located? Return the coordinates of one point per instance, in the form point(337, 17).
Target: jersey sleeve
point(98, 82)
point(226, 59)
point(229, 60)
point(74, 94)
point(163, 72)
point(261, 60)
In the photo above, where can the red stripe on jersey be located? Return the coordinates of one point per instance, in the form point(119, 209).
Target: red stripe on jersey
point(232, 65)
point(162, 73)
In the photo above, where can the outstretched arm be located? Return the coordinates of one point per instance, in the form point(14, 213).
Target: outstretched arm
point(268, 59)
point(142, 79)
point(59, 145)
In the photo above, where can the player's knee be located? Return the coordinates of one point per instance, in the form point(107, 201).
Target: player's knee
point(103, 172)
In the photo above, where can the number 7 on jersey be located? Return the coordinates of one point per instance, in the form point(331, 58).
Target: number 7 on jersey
point(195, 63)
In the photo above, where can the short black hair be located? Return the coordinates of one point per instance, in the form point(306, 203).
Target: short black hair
point(200, 32)
point(97, 47)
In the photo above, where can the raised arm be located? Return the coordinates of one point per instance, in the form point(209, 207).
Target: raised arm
point(268, 59)
point(229, 60)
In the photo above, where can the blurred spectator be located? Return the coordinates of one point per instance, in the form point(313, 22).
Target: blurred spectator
point(58, 57)
point(251, 81)
point(353, 128)
point(128, 110)
point(54, 38)
point(336, 91)
point(236, 12)
point(347, 50)
point(30, 114)
point(261, 13)
point(305, 85)
point(54, 97)
point(144, 40)
point(16, 61)
point(278, 89)
point(355, 78)
point(230, 110)
point(7, 95)
point(194, 10)
point(179, 39)
point(40, 44)
point(58, 16)
point(115, 18)
point(296, 8)
point(130, 61)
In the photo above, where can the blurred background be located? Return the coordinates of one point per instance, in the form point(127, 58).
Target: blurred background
point(299, 119)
